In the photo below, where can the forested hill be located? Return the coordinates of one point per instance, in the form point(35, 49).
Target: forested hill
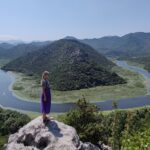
point(10, 51)
point(72, 65)
point(129, 45)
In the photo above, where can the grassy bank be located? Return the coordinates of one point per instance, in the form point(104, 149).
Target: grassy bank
point(33, 115)
point(3, 62)
point(126, 110)
point(143, 62)
point(3, 140)
point(10, 122)
point(133, 63)
point(27, 87)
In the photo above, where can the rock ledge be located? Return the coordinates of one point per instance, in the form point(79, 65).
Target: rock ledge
point(53, 136)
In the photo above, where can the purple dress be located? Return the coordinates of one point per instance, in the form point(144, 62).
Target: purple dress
point(46, 105)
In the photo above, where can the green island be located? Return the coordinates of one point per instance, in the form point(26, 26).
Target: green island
point(28, 88)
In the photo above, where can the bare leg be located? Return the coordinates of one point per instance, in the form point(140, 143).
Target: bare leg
point(44, 117)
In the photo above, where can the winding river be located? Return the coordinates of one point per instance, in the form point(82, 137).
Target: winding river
point(8, 100)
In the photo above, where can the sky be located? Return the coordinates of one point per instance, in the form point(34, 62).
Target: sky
point(30, 20)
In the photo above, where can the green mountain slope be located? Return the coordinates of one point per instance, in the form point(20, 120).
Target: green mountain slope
point(72, 65)
point(129, 45)
point(8, 51)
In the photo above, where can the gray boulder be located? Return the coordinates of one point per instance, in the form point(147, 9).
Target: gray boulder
point(53, 136)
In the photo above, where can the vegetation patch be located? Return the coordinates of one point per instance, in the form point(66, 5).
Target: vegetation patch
point(120, 129)
point(10, 122)
point(143, 62)
point(17, 87)
point(3, 62)
point(3, 140)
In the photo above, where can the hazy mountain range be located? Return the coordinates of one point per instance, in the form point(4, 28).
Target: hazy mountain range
point(11, 51)
point(72, 65)
point(129, 45)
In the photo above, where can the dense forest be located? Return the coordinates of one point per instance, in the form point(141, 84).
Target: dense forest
point(10, 122)
point(72, 65)
point(120, 129)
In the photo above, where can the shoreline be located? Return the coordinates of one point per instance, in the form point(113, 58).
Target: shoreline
point(27, 98)
point(9, 101)
point(141, 67)
point(10, 88)
point(33, 114)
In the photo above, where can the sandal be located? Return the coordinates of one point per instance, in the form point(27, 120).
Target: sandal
point(44, 120)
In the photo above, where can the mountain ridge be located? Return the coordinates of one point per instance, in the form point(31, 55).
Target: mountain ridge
point(128, 45)
point(14, 51)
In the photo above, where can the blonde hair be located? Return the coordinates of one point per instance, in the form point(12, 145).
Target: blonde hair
point(43, 75)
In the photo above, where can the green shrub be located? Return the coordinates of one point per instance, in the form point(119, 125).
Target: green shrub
point(3, 139)
point(113, 128)
point(86, 120)
point(10, 122)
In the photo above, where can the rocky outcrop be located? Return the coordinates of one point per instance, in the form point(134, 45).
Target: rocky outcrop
point(53, 136)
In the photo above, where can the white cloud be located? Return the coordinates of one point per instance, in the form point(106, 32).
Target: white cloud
point(8, 37)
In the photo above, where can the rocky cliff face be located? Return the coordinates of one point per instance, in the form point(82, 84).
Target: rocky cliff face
point(53, 136)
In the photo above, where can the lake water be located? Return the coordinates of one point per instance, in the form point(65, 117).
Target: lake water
point(7, 99)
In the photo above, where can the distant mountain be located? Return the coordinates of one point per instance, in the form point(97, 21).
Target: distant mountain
point(6, 45)
point(15, 51)
point(129, 45)
point(72, 65)
point(13, 42)
point(41, 43)
point(70, 38)
point(3, 49)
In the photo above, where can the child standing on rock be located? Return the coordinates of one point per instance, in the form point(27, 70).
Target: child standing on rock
point(46, 96)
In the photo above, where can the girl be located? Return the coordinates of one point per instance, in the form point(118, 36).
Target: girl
point(46, 96)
